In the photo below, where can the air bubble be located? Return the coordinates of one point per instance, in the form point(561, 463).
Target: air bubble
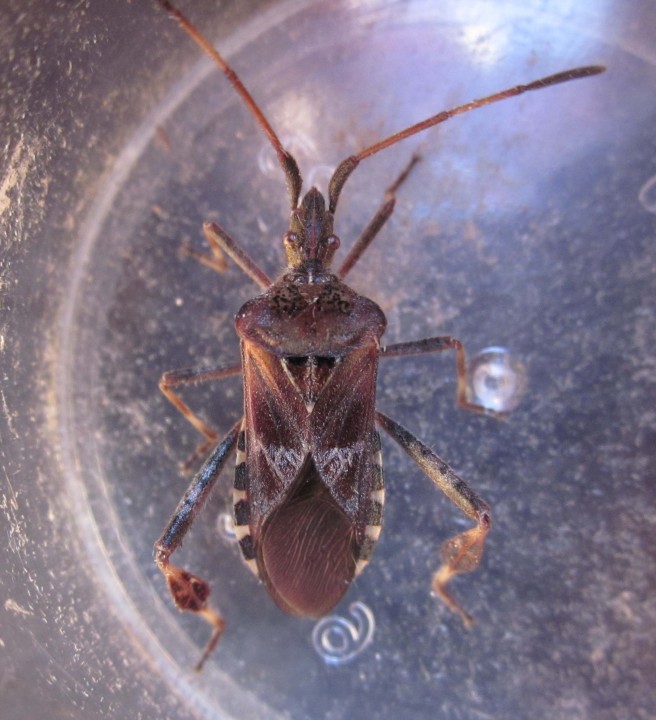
point(226, 528)
point(300, 146)
point(647, 195)
point(339, 640)
point(497, 379)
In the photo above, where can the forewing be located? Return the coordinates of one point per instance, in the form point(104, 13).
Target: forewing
point(343, 434)
point(276, 431)
point(307, 554)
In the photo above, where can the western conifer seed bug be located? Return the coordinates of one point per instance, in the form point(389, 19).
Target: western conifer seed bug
point(308, 492)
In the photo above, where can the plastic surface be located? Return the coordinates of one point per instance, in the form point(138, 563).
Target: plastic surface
point(528, 226)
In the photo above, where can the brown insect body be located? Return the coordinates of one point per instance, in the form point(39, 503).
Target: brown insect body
point(310, 476)
point(308, 491)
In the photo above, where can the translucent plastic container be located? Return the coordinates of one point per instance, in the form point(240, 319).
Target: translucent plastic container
point(527, 227)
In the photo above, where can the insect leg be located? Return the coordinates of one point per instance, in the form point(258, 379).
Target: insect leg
point(379, 219)
point(216, 261)
point(190, 592)
point(463, 552)
point(194, 376)
point(220, 241)
point(439, 344)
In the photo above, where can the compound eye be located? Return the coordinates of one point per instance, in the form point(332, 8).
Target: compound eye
point(290, 239)
point(333, 242)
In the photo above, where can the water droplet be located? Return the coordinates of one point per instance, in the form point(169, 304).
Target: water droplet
point(497, 379)
point(300, 146)
point(339, 640)
point(226, 528)
point(647, 195)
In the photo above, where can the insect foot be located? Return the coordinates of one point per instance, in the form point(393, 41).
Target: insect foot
point(190, 592)
point(461, 554)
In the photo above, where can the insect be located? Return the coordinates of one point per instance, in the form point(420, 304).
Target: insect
point(308, 491)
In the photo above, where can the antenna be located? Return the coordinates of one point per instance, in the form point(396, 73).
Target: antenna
point(346, 167)
point(287, 162)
